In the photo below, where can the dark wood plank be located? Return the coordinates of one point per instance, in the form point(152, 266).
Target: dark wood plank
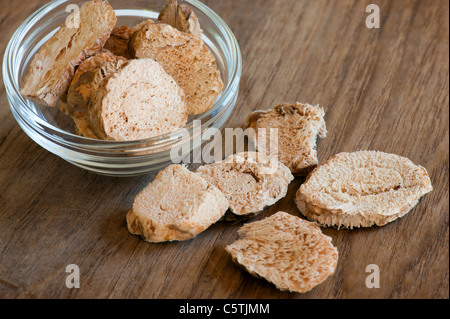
point(384, 89)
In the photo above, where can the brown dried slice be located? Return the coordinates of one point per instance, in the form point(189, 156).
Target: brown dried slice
point(298, 127)
point(139, 101)
point(177, 205)
point(287, 251)
point(117, 43)
point(250, 181)
point(183, 57)
point(181, 17)
point(88, 78)
point(82, 125)
point(53, 66)
point(362, 189)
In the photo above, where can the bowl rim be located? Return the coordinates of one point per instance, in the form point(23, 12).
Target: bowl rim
point(14, 96)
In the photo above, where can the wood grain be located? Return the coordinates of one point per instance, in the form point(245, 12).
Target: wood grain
point(384, 89)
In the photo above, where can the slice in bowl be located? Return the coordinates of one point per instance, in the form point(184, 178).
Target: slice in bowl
point(183, 57)
point(53, 66)
point(120, 36)
point(180, 17)
point(139, 101)
point(89, 77)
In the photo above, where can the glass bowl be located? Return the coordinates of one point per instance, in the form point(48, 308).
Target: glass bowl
point(54, 131)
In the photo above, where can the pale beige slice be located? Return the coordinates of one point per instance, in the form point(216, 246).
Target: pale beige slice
point(53, 66)
point(137, 102)
point(362, 189)
point(287, 251)
point(117, 42)
point(181, 17)
point(178, 205)
point(250, 181)
point(298, 127)
point(185, 58)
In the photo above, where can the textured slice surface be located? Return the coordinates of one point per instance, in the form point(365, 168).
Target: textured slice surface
point(89, 77)
point(183, 57)
point(181, 17)
point(117, 42)
point(287, 251)
point(250, 181)
point(53, 66)
point(120, 36)
point(139, 101)
point(298, 127)
point(82, 125)
point(177, 205)
point(362, 189)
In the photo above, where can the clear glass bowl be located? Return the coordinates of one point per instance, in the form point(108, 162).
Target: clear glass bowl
point(54, 131)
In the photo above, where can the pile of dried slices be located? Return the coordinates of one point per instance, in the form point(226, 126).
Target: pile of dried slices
point(350, 190)
point(128, 83)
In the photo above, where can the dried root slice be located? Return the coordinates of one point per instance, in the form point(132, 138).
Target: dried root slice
point(82, 125)
point(181, 17)
point(117, 42)
point(177, 205)
point(53, 66)
point(120, 36)
point(362, 189)
point(287, 251)
point(183, 57)
point(298, 127)
point(139, 101)
point(250, 181)
point(89, 77)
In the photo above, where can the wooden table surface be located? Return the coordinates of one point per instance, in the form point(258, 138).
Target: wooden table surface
point(383, 89)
